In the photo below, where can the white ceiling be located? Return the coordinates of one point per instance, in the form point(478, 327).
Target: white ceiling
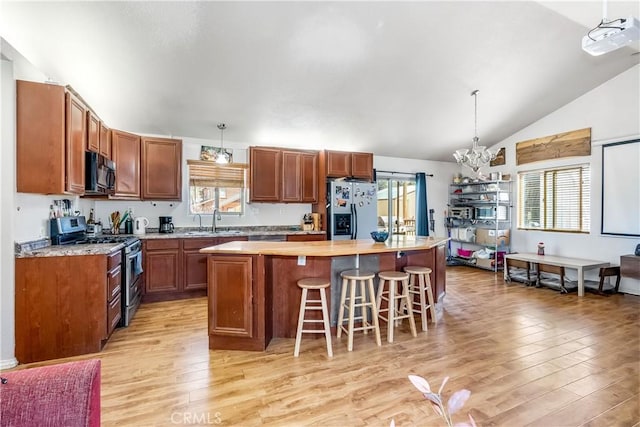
point(388, 77)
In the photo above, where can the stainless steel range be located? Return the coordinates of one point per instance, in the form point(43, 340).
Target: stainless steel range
point(73, 231)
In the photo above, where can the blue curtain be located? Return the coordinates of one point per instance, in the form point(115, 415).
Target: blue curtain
point(422, 219)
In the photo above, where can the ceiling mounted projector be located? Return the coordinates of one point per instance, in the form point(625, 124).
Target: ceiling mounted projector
point(611, 35)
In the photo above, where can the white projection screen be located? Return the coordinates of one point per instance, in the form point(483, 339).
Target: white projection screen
point(621, 188)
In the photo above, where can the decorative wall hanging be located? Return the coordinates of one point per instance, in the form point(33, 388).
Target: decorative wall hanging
point(500, 158)
point(567, 144)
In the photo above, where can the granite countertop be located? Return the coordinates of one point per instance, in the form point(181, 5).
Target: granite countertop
point(71, 250)
point(180, 233)
point(327, 247)
point(225, 232)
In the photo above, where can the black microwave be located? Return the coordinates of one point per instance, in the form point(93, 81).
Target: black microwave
point(100, 174)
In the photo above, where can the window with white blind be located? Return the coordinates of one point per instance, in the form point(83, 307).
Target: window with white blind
point(214, 186)
point(555, 199)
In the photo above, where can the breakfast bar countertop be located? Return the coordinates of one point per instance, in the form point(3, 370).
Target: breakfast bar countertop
point(326, 247)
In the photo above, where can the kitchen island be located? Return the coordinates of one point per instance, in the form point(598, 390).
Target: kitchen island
point(252, 286)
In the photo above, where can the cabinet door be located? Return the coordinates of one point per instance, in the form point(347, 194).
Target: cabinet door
point(291, 176)
point(230, 296)
point(338, 164)
point(105, 141)
point(161, 270)
point(75, 145)
point(93, 133)
point(362, 166)
point(265, 166)
point(40, 138)
point(161, 169)
point(194, 264)
point(309, 177)
point(126, 155)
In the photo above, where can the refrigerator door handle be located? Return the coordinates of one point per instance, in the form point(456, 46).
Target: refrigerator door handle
point(354, 215)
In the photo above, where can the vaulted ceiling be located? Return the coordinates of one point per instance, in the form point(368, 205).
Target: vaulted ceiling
point(393, 78)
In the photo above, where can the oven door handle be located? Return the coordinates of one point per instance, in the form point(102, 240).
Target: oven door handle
point(137, 267)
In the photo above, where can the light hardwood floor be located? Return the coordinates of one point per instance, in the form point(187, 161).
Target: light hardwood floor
point(530, 357)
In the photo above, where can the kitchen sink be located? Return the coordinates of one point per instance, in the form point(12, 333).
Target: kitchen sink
point(199, 233)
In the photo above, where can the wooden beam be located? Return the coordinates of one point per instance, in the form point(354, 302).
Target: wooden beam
point(567, 144)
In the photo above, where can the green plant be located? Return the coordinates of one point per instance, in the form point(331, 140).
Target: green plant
point(454, 404)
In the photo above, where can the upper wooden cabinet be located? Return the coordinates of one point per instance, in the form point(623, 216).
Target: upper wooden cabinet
point(50, 139)
point(105, 141)
point(281, 175)
point(309, 177)
point(75, 137)
point(126, 154)
point(265, 165)
point(291, 176)
point(346, 164)
point(362, 166)
point(161, 169)
point(93, 132)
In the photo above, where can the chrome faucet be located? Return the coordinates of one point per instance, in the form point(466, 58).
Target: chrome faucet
point(216, 216)
point(199, 221)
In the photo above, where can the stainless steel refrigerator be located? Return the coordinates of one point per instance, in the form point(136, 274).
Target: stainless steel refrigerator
point(353, 210)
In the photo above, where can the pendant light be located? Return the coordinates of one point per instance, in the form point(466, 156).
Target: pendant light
point(223, 156)
point(478, 156)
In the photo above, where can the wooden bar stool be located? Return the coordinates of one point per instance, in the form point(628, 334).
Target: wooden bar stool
point(320, 285)
point(365, 299)
point(420, 289)
point(395, 300)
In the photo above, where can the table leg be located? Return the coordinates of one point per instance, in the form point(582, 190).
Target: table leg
point(580, 282)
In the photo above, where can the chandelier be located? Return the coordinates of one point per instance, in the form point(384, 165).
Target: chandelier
point(478, 156)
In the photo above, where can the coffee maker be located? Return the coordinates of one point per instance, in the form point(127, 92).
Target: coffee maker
point(166, 226)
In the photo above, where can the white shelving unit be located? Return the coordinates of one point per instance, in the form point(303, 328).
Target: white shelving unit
point(479, 222)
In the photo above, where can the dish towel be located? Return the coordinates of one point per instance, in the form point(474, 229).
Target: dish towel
point(137, 267)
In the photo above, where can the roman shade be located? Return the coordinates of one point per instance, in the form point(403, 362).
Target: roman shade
point(208, 174)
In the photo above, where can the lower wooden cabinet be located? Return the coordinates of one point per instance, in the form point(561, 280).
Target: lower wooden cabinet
point(175, 269)
point(305, 237)
point(238, 315)
point(114, 293)
point(62, 305)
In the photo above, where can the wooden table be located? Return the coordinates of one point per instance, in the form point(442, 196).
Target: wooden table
point(578, 263)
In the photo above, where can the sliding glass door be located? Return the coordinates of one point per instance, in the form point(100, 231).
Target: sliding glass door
point(397, 205)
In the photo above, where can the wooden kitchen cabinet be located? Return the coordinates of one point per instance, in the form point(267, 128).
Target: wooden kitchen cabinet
point(194, 264)
point(309, 177)
point(280, 175)
point(306, 237)
point(50, 139)
point(362, 166)
point(93, 132)
point(291, 176)
point(346, 164)
point(61, 306)
point(237, 312)
point(126, 155)
point(114, 294)
point(265, 165)
point(161, 259)
point(105, 141)
point(161, 169)
point(338, 164)
point(175, 269)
